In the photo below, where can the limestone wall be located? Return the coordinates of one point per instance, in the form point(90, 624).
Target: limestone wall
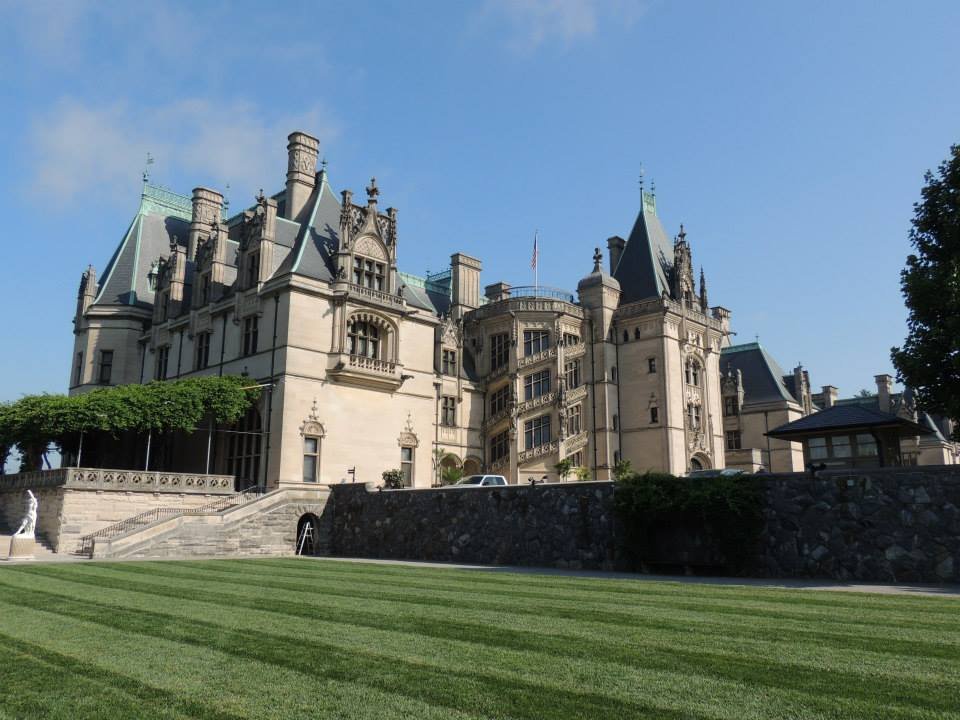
point(558, 525)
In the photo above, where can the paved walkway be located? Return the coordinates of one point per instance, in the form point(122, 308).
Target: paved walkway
point(832, 585)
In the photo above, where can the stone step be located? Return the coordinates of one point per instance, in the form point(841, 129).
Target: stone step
point(42, 549)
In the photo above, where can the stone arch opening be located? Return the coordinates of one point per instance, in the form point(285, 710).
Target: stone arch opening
point(471, 466)
point(308, 535)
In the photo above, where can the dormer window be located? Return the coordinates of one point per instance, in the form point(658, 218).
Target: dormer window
point(368, 273)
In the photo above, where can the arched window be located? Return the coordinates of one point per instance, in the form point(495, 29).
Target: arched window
point(364, 339)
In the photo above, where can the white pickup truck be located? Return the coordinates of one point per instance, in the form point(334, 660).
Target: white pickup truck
point(481, 481)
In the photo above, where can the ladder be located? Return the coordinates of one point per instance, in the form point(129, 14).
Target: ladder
point(306, 538)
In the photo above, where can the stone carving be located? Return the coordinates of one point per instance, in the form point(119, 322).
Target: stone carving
point(368, 247)
point(408, 438)
point(312, 425)
point(29, 524)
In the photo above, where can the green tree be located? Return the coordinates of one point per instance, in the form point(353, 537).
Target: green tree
point(450, 475)
point(582, 473)
point(929, 360)
point(563, 468)
point(864, 394)
point(622, 470)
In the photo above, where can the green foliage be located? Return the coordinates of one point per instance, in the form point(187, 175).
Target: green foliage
point(450, 475)
point(727, 512)
point(622, 470)
point(929, 361)
point(582, 473)
point(35, 421)
point(392, 479)
point(563, 468)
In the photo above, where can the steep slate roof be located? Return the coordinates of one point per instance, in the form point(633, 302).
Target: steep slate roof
point(647, 260)
point(841, 417)
point(148, 238)
point(762, 376)
point(317, 239)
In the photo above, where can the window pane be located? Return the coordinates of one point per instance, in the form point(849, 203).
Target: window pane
point(310, 445)
point(310, 468)
point(841, 446)
point(817, 448)
point(406, 454)
point(866, 445)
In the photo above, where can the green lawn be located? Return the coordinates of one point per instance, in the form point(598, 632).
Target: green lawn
point(299, 638)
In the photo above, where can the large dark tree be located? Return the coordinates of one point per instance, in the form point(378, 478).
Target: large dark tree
point(929, 361)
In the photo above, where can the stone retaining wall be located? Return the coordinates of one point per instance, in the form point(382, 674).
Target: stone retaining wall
point(557, 525)
point(890, 525)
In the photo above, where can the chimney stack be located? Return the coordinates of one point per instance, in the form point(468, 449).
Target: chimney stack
point(829, 396)
point(884, 386)
point(497, 291)
point(465, 271)
point(207, 209)
point(302, 151)
point(615, 245)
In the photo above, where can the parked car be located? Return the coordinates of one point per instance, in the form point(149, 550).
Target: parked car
point(481, 481)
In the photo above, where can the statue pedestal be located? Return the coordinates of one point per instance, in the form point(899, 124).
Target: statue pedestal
point(21, 548)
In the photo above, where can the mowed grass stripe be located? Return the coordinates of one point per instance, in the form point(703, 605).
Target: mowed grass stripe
point(810, 680)
point(231, 686)
point(776, 603)
point(483, 692)
point(859, 628)
point(578, 639)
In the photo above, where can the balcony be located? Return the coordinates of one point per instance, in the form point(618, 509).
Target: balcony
point(122, 480)
point(542, 356)
point(367, 372)
point(536, 403)
point(551, 448)
point(378, 297)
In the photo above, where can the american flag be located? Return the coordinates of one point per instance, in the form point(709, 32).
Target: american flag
point(536, 252)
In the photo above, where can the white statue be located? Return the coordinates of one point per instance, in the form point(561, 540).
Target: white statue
point(29, 523)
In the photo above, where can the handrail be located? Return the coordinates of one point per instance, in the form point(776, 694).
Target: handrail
point(85, 545)
point(542, 291)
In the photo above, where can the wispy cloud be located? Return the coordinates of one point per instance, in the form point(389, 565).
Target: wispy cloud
point(81, 148)
point(532, 23)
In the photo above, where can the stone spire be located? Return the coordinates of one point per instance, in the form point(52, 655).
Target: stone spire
point(704, 305)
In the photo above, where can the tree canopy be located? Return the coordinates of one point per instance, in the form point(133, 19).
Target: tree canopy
point(929, 361)
point(35, 421)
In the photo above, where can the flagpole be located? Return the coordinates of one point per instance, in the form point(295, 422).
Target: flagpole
point(536, 263)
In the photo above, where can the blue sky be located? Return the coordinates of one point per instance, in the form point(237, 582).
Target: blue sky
point(789, 138)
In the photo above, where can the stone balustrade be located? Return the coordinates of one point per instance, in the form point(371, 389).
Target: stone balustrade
point(543, 355)
point(378, 296)
point(376, 365)
point(550, 448)
point(537, 402)
point(123, 480)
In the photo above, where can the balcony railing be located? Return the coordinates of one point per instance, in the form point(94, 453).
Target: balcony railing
point(124, 480)
point(379, 296)
point(542, 291)
point(363, 362)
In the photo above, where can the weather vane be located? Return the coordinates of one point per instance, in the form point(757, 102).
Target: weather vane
point(146, 168)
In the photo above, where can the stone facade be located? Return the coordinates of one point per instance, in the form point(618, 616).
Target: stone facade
point(568, 525)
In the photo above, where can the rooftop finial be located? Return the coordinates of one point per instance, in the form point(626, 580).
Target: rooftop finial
point(653, 188)
point(146, 168)
point(597, 259)
point(641, 179)
point(372, 190)
point(682, 237)
point(323, 165)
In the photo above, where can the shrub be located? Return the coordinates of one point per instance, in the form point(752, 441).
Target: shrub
point(450, 475)
point(582, 473)
point(392, 479)
point(726, 513)
point(563, 468)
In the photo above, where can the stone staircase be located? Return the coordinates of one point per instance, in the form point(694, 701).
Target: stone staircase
point(42, 551)
point(265, 525)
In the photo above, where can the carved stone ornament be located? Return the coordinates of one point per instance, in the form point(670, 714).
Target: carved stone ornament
point(408, 438)
point(369, 247)
point(312, 425)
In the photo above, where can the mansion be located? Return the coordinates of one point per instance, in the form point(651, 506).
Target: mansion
point(366, 368)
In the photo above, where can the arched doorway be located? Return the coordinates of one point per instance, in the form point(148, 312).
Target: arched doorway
point(695, 465)
point(450, 469)
point(308, 535)
point(471, 466)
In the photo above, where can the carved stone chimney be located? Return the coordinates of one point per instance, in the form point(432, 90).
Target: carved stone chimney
point(884, 386)
point(615, 246)
point(302, 151)
point(497, 291)
point(829, 396)
point(207, 209)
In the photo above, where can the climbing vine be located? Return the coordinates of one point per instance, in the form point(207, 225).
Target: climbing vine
point(35, 421)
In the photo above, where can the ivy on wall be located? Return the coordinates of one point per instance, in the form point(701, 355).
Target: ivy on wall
point(34, 421)
point(710, 520)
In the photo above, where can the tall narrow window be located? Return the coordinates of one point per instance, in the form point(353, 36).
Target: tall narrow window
point(613, 374)
point(651, 365)
point(616, 422)
point(571, 371)
point(78, 369)
point(448, 411)
point(364, 339)
point(203, 293)
point(654, 415)
point(406, 465)
point(499, 351)
point(162, 358)
point(733, 440)
point(570, 339)
point(574, 420)
point(729, 405)
point(164, 306)
point(202, 355)
point(536, 384)
point(106, 367)
point(251, 331)
point(449, 364)
point(311, 458)
point(693, 416)
point(253, 269)
point(535, 341)
point(243, 455)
